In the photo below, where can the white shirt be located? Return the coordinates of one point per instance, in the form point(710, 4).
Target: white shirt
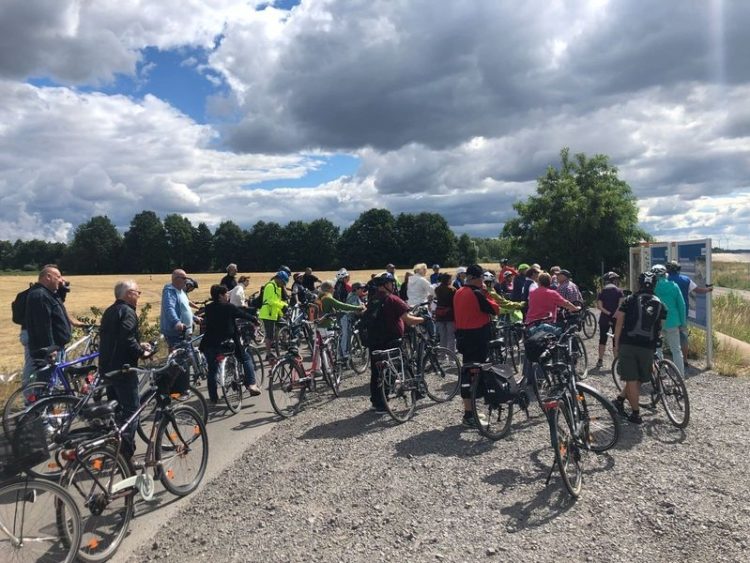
point(237, 295)
point(418, 290)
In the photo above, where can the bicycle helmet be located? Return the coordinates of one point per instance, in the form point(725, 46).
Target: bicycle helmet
point(487, 276)
point(285, 269)
point(191, 284)
point(673, 267)
point(659, 270)
point(283, 276)
point(341, 274)
point(609, 276)
point(382, 279)
point(647, 281)
point(436, 266)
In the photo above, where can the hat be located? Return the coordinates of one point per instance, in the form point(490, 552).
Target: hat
point(436, 266)
point(475, 271)
point(565, 273)
point(522, 267)
point(461, 270)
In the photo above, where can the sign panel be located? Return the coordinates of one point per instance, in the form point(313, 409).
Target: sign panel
point(694, 258)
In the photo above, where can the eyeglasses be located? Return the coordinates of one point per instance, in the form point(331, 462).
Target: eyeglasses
point(136, 291)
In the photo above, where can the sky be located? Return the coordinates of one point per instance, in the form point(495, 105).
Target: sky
point(279, 111)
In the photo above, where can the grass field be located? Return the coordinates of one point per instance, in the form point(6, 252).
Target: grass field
point(734, 275)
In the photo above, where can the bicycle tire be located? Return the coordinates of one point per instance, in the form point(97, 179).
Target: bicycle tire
point(197, 401)
point(232, 388)
point(359, 355)
point(285, 395)
point(588, 325)
point(398, 397)
point(331, 371)
point(601, 419)
point(282, 340)
point(541, 382)
point(21, 399)
point(88, 479)
point(497, 418)
point(673, 393)
point(567, 453)
point(615, 377)
point(441, 370)
point(513, 349)
point(40, 501)
point(580, 357)
point(181, 441)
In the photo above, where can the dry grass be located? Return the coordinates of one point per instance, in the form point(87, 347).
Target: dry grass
point(734, 275)
point(728, 361)
point(731, 315)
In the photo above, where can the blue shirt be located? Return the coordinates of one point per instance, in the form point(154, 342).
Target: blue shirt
point(175, 308)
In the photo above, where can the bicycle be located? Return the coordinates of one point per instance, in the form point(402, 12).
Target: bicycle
point(587, 320)
point(39, 520)
point(104, 483)
point(667, 387)
point(505, 345)
point(86, 345)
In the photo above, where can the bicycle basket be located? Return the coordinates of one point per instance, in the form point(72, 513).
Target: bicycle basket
point(26, 446)
point(165, 377)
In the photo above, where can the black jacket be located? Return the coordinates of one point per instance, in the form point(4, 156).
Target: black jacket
point(230, 282)
point(119, 338)
point(219, 318)
point(46, 319)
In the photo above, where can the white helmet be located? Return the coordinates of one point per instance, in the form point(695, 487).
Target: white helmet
point(341, 274)
point(659, 269)
point(488, 276)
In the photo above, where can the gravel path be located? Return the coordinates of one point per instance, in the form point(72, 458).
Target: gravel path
point(338, 483)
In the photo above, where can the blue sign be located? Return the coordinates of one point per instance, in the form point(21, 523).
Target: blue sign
point(692, 259)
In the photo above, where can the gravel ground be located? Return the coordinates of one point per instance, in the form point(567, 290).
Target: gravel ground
point(339, 483)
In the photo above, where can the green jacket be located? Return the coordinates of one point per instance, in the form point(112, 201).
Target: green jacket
point(328, 305)
point(273, 304)
point(669, 293)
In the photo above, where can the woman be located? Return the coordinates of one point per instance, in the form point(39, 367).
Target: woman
point(219, 321)
point(543, 303)
point(237, 294)
point(404, 286)
point(419, 289)
point(444, 319)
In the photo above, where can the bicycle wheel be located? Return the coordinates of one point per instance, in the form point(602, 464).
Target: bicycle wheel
point(615, 376)
point(579, 357)
point(104, 518)
point(602, 426)
point(232, 388)
point(398, 396)
point(441, 370)
point(20, 400)
point(673, 393)
point(567, 453)
point(588, 324)
point(29, 512)
point(331, 369)
point(181, 447)
point(493, 421)
point(145, 421)
point(513, 349)
point(540, 381)
point(259, 368)
point(284, 389)
point(359, 355)
point(282, 340)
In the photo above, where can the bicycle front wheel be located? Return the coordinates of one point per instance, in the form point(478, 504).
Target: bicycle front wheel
point(493, 420)
point(105, 517)
point(232, 388)
point(29, 513)
point(284, 389)
point(599, 416)
point(181, 447)
point(567, 453)
point(615, 376)
point(21, 399)
point(673, 393)
point(359, 355)
point(441, 370)
point(589, 325)
point(331, 371)
point(399, 398)
point(579, 359)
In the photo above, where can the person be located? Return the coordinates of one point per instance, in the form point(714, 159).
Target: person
point(19, 317)
point(389, 315)
point(220, 326)
point(519, 281)
point(435, 275)
point(505, 287)
point(120, 345)
point(298, 290)
point(638, 321)
point(342, 288)
point(176, 320)
point(391, 269)
point(309, 279)
point(237, 295)
point(419, 289)
point(687, 286)
point(229, 281)
point(554, 270)
point(444, 317)
point(356, 299)
point(473, 311)
point(460, 277)
point(608, 301)
point(505, 268)
point(402, 291)
point(507, 307)
point(532, 275)
point(544, 302)
point(669, 293)
point(567, 288)
point(273, 308)
point(329, 304)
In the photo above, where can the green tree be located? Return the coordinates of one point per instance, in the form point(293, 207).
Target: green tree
point(31, 255)
point(266, 246)
point(425, 237)
point(321, 245)
point(582, 217)
point(145, 245)
point(370, 242)
point(180, 241)
point(95, 249)
point(201, 257)
point(6, 254)
point(229, 242)
point(467, 250)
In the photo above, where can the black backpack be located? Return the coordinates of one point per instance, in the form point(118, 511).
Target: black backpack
point(371, 328)
point(339, 291)
point(643, 318)
point(18, 307)
point(257, 301)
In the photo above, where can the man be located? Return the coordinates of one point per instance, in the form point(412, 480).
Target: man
point(119, 345)
point(387, 314)
point(687, 286)
point(505, 287)
point(419, 289)
point(435, 275)
point(553, 271)
point(229, 280)
point(309, 280)
point(46, 320)
point(637, 324)
point(273, 308)
point(567, 289)
point(460, 277)
point(608, 302)
point(519, 283)
point(473, 311)
point(355, 298)
point(669, 293)
point(391, 269)
point(176, 319)
point(342, 288)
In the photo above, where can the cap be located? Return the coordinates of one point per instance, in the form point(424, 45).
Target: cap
point(461, 270)
point(565, 273)
point(475, 271)
point(522, 267)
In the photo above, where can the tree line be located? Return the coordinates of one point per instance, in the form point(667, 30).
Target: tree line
point(582, 217)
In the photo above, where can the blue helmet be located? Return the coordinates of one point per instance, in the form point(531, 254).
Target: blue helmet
point(283, 276)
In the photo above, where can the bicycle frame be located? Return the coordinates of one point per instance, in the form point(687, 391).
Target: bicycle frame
point(58, 376)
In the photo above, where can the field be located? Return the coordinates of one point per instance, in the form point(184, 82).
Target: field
point(734, 275)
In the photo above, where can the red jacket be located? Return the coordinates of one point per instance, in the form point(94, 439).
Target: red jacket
point(473, 308)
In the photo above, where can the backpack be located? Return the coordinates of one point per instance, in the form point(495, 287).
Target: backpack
point(257, 301)
point(371, 329)
point(646, 312)
point(18, 307)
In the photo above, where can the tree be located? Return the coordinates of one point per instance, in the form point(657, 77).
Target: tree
point(321, 244)
point(425, 237)
point(229, 242)
point(467, 250)
point(179, 231)
point(202, 250)
point(6, 255)
point(145, 245)
point(265, 243)
point(370, 242)
point(582, 218)
point(31, 255)
point(95, 249)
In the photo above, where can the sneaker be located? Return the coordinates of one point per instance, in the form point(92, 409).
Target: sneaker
point(635, 418)
point(470, 421)
point(599, 364)
point(619, 404)
point(182, 397)
point(378, 410)
point(254, 390)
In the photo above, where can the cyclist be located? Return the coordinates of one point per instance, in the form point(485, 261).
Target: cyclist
point(419, 289)
point(444, 318)
point(237, 295)
point(435, 275)
point(567, 288)
point(329, 304)
point(473, 310)
point(505, 286)
point(460, 277)
point(506, 267)
point(309, 279)
point(637, 324)
point(669, 293)
point(687, 286)
point(519, 283)
point(343, 288)
point(355, 298)
point(543, 305)
point(607, 301)
point(229, 281)
point(272, 308)
point(507, 307)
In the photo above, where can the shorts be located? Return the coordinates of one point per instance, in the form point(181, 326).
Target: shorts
point(605, 323)
point(634, 363)
point(270, 328)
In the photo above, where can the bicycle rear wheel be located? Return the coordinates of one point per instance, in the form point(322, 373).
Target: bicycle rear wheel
point(540, 380)
point(513, 349)
point(284, 390)
point(196, 400)
point(567, 453)
point(579, 357)
point(441, 370)
point(232, 388)
point(21, 399)
point(589, 324)
point(359, 355)
point(599, 415)
point(331, 369)
point(398, 396)
point(104, 518)
point(673, 393)
point(493, 421)
point(181, 447)
point(43, 517)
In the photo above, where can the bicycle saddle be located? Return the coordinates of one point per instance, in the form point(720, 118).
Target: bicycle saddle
point(227, 347)
point(80, 370)
point(100, 411)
